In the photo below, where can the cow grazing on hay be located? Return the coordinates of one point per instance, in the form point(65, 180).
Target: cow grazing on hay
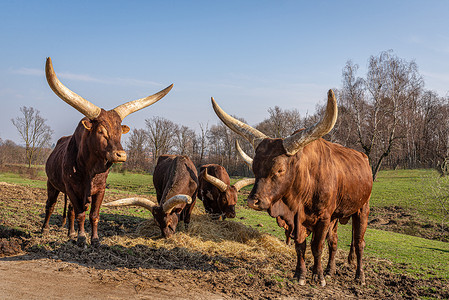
point(79, 164)
point(319, 182)
point(176, 181)
point(215, 190)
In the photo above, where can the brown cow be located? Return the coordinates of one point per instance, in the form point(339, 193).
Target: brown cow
point(79, 164)
point(215, 190)
point(317, 180)
point(175, 180)
point(285, 219)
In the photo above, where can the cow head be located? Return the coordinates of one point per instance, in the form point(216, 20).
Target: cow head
point(227, 198)
point(103, 129)
point(276, 160)
point(165, 215)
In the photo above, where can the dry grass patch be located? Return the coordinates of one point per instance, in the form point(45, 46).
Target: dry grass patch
point(227, 239)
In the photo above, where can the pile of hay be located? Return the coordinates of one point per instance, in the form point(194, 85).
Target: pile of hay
point(228, 239)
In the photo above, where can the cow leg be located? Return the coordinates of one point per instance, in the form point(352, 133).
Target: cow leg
point(71, 233)
point(64, 214)
point(332, 240)
point(80, 218)
point(94, 217)
point(359, 224)
point(79, 211)
point(319, 235)
point(300, 271)
point(52, 197)
point(351, 256)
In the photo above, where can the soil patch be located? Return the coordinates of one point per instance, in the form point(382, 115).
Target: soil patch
point(401, 220)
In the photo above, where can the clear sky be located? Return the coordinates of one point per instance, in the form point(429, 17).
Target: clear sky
point(248, 55)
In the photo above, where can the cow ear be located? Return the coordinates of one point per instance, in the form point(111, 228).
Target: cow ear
point(125, 129)
point(87, 124)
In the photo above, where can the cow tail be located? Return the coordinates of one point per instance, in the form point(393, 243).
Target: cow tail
point(64, 214)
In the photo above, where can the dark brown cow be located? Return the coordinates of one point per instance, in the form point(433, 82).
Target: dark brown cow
point(318, 181)
point(79, 164)
point(175, 180)
point(215, 190)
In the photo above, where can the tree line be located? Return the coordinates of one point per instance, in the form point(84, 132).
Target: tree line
point(386, 114)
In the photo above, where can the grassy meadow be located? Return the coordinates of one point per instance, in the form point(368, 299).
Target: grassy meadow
point(419, 191)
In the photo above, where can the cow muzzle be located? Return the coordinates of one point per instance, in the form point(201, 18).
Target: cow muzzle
point(230, 212)
point(257, 204)
point(118, 156)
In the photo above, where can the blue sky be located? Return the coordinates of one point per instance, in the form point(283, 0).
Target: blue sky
point(248, 55)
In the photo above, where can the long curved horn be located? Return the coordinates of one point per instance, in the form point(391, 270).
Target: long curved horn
point(253, 135)
point(219, 184)
point(244, 182)
point(246, 158)
point(76, 101)
point(136, 201)
point(294, 143)
point(132, 106)
point(168, 206)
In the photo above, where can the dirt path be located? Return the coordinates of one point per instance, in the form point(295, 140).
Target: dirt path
point(25, 278)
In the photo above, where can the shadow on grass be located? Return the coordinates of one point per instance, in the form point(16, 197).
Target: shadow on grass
point(435, 249)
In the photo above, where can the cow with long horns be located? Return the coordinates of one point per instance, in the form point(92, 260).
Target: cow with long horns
point(176, 181)
point(285, 219)
point(79, 164)
point(215, 190)
point(318, 181)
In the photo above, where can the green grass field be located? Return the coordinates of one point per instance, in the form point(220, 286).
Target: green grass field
point(419, 190)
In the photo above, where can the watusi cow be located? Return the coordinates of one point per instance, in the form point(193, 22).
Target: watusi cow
point(318, 181)
point(176, 181)
point(215, 190)
point(79, 164)
point(285, 219)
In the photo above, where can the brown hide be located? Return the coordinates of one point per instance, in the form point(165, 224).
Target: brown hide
point(174, 175)
point(216, 202)
point(321, 183)
point(79, 166)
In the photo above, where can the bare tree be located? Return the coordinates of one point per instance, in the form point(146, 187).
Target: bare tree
point(380, 104)
point(161, 133)
point(10, 152)
point(138, 152)
point(200, 144)
point(280, 123)
point(183, 140)
point(34, 132)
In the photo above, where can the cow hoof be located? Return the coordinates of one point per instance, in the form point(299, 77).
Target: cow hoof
point(330, 271)
point(81, 242)
point(45, 231)
point(319, 279)
point(360, 279)
point(301, 281)
point(95, 243)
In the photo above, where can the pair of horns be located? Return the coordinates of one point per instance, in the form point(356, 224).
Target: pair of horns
point(293, 143)
point(167, 206)
point(90, 110)
point(223, 186)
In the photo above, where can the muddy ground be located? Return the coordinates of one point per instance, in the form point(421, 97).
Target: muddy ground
point(134, 265)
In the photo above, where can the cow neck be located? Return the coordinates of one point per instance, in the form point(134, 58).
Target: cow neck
point(87, 163)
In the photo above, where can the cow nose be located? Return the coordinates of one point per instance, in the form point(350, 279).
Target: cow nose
point(255, 203)
point(120, 156)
